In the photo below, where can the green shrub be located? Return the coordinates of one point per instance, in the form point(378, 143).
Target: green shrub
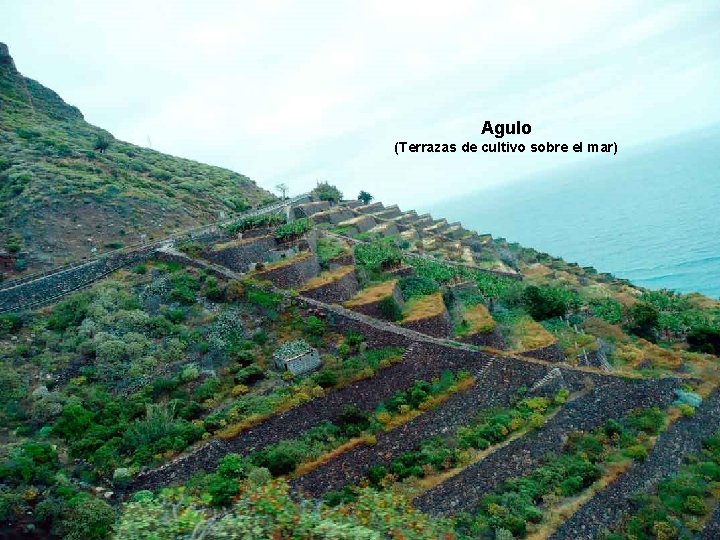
point(10, 324)
point(281, 458)
point(88, 518)
point(69, 312)
point(326, 192)
point(294, 229)
point(644, 319)
point(547, 302)
point(390, 309)
point(326, 378)
point(414, 286)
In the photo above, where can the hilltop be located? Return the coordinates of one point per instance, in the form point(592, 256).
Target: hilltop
point(70, 190)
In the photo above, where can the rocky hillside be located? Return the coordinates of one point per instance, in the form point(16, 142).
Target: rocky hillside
point(70, 190)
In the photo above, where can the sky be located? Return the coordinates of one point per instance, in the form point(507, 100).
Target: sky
point(297, 92)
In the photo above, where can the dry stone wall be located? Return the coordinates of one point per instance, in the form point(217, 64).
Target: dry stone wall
point(610, 397)
point(366, 394)
point(292, 273)
point(439, 325)
point(682, 439)
point(337, 291)
point(551, 353)
point(239, 255)
point(374, 309)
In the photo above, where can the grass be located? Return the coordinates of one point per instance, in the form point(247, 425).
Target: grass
point(331, 276)
point(236, 243)
point(424, 307)
point(525, 334)
point(476, 320)
point(287, 261)
point(373, 294)
point(354, 221)
point(330, 248)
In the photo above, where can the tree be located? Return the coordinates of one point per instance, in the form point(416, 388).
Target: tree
point(102, 143)
point(283, 189)
point(365, 197)
point(326, 192)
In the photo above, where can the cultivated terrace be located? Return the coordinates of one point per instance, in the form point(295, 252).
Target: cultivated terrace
point(467, 388)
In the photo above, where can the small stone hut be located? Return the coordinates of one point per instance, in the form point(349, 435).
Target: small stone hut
point(297, 357)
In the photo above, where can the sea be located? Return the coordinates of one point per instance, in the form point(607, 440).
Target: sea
point(650, 214)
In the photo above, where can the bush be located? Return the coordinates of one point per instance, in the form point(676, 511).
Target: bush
point(9, 324)
point(314, 326)
point(644, 320)
point(221, 489)
point(69, 312)
point(326, 192)
point(326, 378)
point(390, 309)
point(417, 286)
point(280, 459)
point(88, 518)
point(546, 302)
point(704, 339)
point(294, 229)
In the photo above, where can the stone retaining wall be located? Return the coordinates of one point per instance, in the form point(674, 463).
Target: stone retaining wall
point(610, 397)
point(361, 223)
point(337, 291)
point(438, 326)
point(346, 259)
point(52, 287)
point(238, 255)
point(333, 216)
point(682, 439)
point(366, 394)
point(492, 339)
point(551, 353)
point(369, 208)
point(373, 309)
point(308, 209)
point(292, 273)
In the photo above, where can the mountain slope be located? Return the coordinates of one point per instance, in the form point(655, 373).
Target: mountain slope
point(70, 190)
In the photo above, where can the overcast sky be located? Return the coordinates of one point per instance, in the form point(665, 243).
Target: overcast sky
point(299, 91)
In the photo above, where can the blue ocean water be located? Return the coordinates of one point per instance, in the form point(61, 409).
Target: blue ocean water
point(651, 216)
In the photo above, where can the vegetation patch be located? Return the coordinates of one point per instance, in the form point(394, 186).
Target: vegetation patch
point(681, 501)
point(331, 276)
point(517, 505)
point(372, 294)
point(475, 320)
point(424, 307)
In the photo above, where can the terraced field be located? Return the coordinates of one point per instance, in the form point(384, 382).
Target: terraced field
point(455, 432)
point(609, 399)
